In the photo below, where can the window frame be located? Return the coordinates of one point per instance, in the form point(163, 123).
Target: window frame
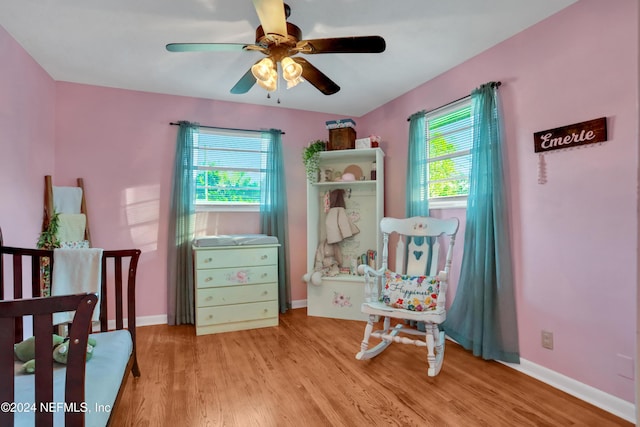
point(208, 206)
point(447, 202)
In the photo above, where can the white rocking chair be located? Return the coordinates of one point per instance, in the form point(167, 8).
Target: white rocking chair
point(389, 292)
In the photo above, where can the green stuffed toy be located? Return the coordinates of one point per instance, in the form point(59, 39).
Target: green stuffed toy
point(25, 351)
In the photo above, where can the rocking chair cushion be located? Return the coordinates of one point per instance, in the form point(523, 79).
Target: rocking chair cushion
point(415, 293)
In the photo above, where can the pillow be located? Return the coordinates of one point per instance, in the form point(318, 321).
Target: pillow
point(415, 293)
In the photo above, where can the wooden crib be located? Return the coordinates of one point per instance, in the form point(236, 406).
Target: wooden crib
point(97, 384)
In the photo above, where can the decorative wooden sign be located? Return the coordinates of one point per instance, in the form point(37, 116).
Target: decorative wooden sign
point(584, 133)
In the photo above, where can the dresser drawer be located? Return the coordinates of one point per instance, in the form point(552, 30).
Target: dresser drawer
point(236, 294)
point(236, 276)
point(236, 313)
point(214, 258)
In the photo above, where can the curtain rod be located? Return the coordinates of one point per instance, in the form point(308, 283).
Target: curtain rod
point(218, 127)
point(496, 84)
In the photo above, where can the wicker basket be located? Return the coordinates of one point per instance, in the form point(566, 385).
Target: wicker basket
point(342, 139)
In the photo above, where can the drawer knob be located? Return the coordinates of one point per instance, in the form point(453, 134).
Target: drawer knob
point(208, 279)
point(208, 260)
point(208, 298)
point(265, 293)
point(210, 316)
point(264, 275)
point(266, 310)
point(264, 257)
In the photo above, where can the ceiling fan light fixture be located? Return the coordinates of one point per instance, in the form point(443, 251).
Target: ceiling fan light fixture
point(271, 83)
point(291, 70)
point(294, 82)
point(277, 39)
point(263, 70)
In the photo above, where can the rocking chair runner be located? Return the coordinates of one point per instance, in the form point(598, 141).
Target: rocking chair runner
point(406, 292)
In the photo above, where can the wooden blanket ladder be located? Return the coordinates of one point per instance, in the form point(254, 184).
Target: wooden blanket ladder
point(49, 206)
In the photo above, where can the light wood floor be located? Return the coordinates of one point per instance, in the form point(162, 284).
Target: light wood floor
point(303, 373)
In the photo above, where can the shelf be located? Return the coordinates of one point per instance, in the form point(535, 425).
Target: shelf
point(341, 296)
point(341, 184)
point(343, 155)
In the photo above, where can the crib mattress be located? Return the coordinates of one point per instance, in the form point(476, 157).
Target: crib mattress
point(234, 240)
point(104, 373)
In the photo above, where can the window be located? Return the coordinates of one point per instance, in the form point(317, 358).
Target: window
point(228, 169)
point(449, 137)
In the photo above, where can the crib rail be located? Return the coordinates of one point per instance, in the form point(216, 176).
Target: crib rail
point(42, 310)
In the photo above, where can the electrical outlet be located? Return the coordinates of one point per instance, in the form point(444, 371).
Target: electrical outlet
point(547, 340)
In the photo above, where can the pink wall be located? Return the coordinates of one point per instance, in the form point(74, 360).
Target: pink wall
point(27, 118)
point(574, 238)
point(121, 143)
point(577, 65)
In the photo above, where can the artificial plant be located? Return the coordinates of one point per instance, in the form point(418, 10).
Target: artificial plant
point(48, 240)
point(311, 159)
point(48, 237)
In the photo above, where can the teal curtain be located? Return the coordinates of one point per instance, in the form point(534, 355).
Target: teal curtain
point(482, 317)
point(417, 197)
point(273, 210)
point(180, 298)
point(417, 192)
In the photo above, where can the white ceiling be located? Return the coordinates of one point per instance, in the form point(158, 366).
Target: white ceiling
point(121, 44)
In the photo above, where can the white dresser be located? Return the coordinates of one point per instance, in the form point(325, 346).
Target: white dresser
point(236, 287)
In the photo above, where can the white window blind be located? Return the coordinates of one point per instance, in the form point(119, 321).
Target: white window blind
point(449, 137)
point(228, 167)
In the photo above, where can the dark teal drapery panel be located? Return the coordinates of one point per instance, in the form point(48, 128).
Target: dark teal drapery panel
point(417, 194)
point(417, 198)
point(180, 297)
point(273, 210)
point(482, 317)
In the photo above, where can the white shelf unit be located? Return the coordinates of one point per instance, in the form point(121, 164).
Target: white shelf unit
point(341, 296)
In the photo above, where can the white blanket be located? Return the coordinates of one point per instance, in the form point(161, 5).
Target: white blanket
point(76, 271)
point(67, 199)
point(71, 227)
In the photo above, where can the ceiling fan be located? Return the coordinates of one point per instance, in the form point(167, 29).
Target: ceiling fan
point(280, 41)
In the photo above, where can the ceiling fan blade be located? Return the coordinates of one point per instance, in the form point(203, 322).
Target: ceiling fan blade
point(245, 83)
point(316, 77)
point(206, 47)
point(362, 44)
point(272, 16)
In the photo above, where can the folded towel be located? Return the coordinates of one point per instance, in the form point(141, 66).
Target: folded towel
point(71, 227)
point(67, 199)
point(76, 271)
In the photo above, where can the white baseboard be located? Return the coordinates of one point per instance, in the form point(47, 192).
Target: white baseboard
point(602, 400)
point(301, 303)
point(159, 319)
